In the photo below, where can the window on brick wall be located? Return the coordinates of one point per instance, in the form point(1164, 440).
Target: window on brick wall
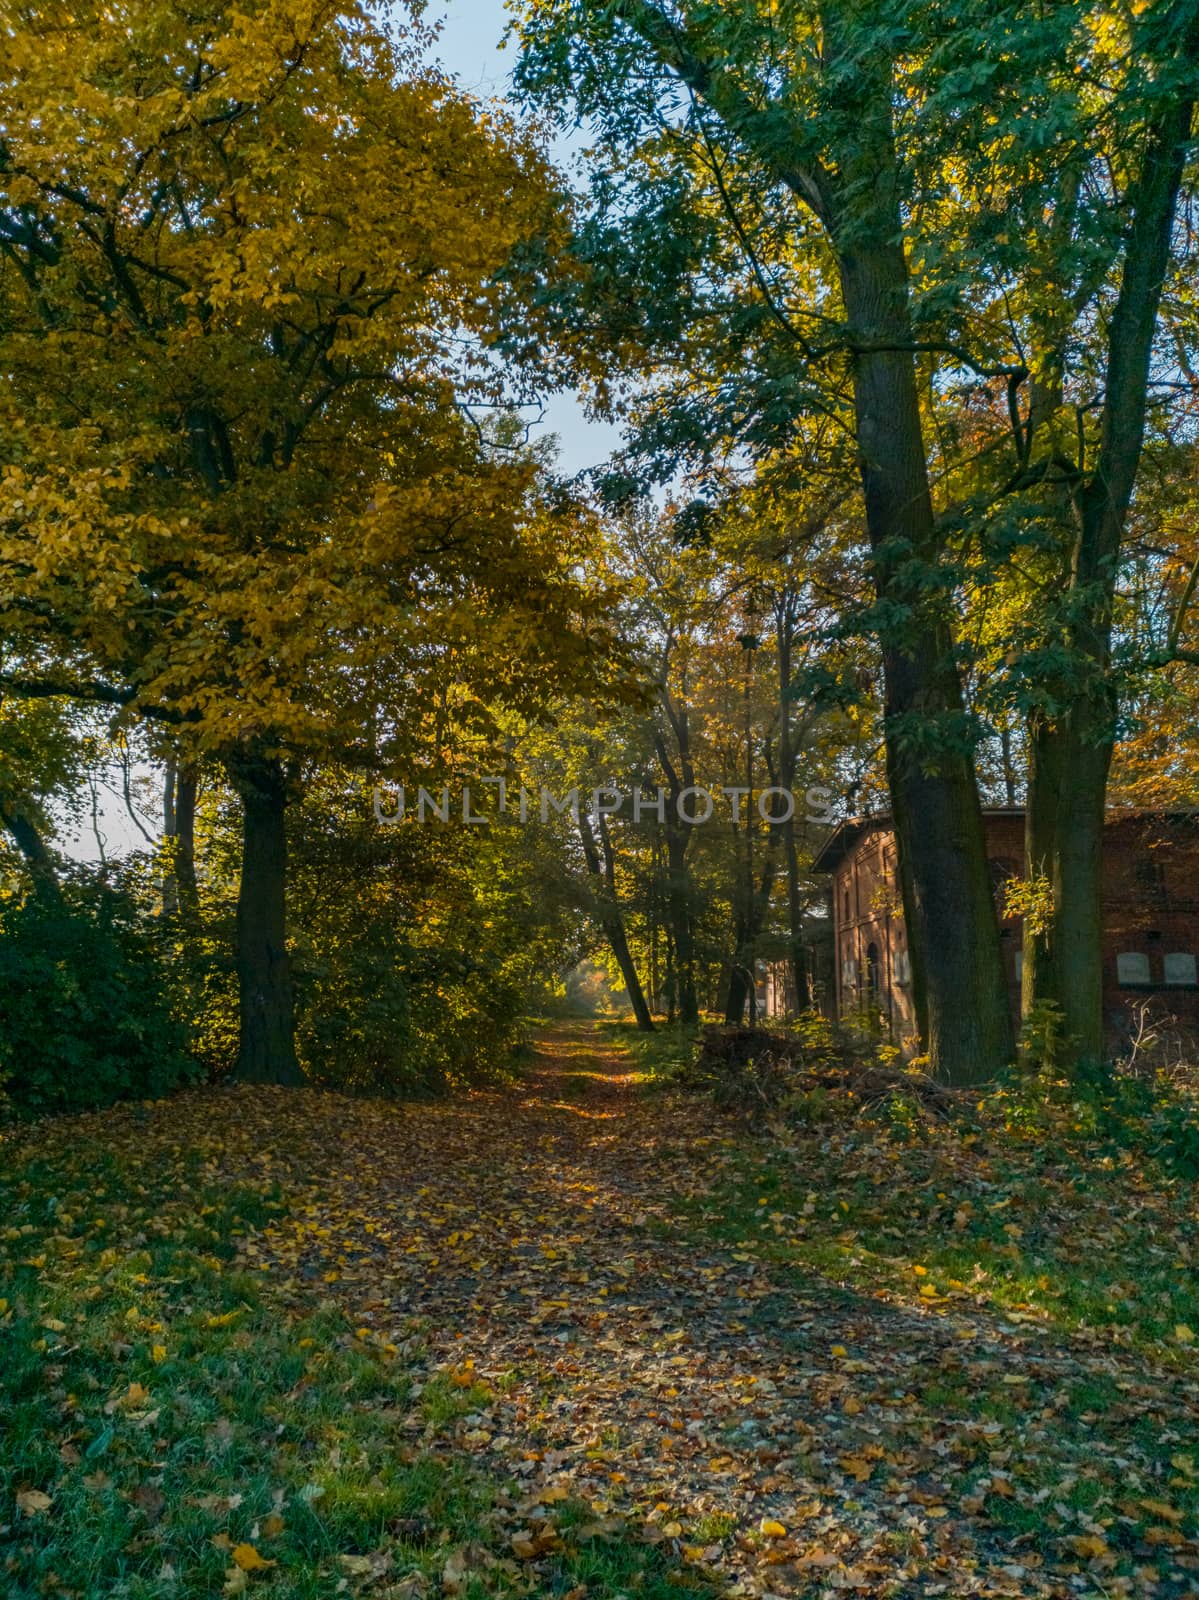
point(1149, 872)
point(1179, 968)
point(874, 975)
point(1132, 969)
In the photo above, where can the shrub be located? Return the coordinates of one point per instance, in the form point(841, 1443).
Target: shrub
point(811, 1072)
point(89, 1000)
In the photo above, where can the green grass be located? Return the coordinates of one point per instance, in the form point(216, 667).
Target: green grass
point(160, 1408)
point(1072, 1238)
point(1083, 1255)
point(661, 1055)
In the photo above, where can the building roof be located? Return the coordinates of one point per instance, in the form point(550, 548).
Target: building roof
point(846, 834)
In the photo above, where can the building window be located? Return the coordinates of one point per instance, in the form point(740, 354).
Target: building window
point(1150, 876)
point(874, 976)
point(849, 973)
point(1180, 969)
point(1018, 965)
point(847, 905)
point(903, 967)
point(1132, 969)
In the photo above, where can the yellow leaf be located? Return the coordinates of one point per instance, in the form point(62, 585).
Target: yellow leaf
point(33, 1502)
point(224, 1320)
point(1087, 1545)
point(1183, 1334)
point(158, 1352)
point(772, 1530)
point(1159, 1508)
point(248, 1559)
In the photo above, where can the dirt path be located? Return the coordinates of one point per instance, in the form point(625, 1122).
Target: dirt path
point(774, 1436)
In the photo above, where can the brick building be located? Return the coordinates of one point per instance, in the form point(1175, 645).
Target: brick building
point(1150, 917)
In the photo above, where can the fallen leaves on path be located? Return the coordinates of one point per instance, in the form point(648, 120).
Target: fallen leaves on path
point(614, 1367)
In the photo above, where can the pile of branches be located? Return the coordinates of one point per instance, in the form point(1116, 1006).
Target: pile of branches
point(755, 1071)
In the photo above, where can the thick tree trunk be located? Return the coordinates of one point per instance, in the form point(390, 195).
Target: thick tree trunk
point(1072, 752)
point(1067, 789)
point(1078, 897)
point(952, 928)
point(953, 933)
point(266, 1053)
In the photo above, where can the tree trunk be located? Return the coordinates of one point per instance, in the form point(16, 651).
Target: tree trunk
point(180, 893)
point(607, 910)
point(737, 994)
point(266, 1052)
point(949, 910)
point(1041, 822)
point(186, 787)
point(678, 898)
point(33, 848)
point(170, 884)
point(801, 995)
point(1072, 751)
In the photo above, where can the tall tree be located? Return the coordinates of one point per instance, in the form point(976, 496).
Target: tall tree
point(795, 112)
point(251, 264)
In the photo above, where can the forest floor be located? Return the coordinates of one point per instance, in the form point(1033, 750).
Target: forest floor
point(580, 1337)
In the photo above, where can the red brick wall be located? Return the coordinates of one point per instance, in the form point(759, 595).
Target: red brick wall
point(1150, 910)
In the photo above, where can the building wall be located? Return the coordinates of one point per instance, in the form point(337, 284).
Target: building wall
point(1150, 917)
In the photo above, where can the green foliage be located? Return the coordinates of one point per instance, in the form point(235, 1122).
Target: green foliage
point(417, 947)
point(1042, 1037)
point(91, 1003)
point(1107, 1114)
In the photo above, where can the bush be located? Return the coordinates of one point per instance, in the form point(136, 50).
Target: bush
point(810, 1072)
point(89, 1002)
point(378, 1016)
point(415, 948)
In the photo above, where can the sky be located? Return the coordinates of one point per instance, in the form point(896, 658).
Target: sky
point(469, 48)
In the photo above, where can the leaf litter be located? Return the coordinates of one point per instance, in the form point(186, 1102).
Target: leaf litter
point(544, 1258)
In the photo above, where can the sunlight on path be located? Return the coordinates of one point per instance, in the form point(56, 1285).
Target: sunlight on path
point(778, 1435)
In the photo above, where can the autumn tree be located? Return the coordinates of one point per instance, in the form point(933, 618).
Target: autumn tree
point(722, 126)
point(251, 265)
point(871, 212)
